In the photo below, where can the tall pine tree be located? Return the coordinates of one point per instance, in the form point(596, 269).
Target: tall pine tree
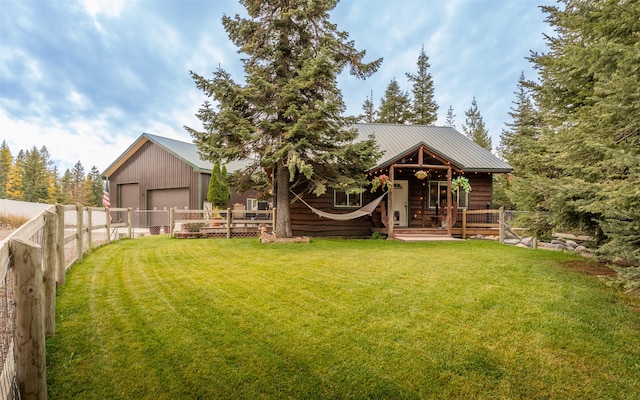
point(395, 106)
point(451, 118)
point(288, 115)
point(589, 96)
point(369, 110)
point(424, 109)
point(474, 126)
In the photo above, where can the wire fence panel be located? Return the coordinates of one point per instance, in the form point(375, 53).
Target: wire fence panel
point(8, 381)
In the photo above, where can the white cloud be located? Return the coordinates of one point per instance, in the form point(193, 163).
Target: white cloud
point(92, 142)
point(110, 8)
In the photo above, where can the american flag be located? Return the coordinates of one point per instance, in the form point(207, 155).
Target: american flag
point(105, 196)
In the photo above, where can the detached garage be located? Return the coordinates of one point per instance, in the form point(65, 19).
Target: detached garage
point(161, 173)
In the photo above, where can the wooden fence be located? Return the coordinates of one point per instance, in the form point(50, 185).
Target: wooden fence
point(34, 260)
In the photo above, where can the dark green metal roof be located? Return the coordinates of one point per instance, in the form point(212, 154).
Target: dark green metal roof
point(396, 140)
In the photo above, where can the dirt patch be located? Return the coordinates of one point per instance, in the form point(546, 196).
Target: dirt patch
point(592, 268)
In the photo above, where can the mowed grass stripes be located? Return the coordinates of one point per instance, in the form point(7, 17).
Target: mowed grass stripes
point(160, 318)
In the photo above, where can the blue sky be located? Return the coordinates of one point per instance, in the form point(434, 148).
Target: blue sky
point(85, 78)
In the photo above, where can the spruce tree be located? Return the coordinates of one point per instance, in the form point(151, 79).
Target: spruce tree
point(288, 115)
point(474, 127)
point(369, 110)
point(395, 106)
point(451, 118)
point(589, 96)
point(424, 109)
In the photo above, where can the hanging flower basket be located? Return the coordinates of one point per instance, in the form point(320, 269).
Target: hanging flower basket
point(460, 183)
point(421, 174)
point(381, 181)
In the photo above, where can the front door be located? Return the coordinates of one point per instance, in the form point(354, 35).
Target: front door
point(400, 203)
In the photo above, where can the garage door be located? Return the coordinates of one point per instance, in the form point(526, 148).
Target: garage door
point(129, 196)
point(159, 199)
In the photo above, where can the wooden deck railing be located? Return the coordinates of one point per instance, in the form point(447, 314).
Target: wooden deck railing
point(225, 223)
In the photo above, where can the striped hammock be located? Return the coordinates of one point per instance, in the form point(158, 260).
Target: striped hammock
point(361, 212)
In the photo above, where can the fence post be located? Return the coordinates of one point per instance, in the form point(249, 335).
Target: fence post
point(171, 221)
point(108, 220)
point(501, 223)
point(273, 220)
point(60, 271)
point(50, 261)
point(89, 226)
point(130, 222)
point(464, 223)
point(29, 333)
point(228, 222)
point(79, 231)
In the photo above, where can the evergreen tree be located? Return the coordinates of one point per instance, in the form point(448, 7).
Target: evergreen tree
point(451, 118)
point(219, 192)
point(93, 188)
point(33, 177)
point(520, 140)
point(474, 127)
point(77, 189)
point(65, 188)
point(6, 162)
point(424, 108)
point(395, 106)
point(287, 117)
point(589, 96)
point(370, 113)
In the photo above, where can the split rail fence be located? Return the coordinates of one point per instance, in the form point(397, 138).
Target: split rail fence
point(34, 260)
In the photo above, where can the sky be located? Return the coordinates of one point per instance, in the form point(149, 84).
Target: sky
point(86, 78)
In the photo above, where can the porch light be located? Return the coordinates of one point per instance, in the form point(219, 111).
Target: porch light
point(421, 174)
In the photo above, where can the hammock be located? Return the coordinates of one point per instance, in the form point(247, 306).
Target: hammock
point(361, 212)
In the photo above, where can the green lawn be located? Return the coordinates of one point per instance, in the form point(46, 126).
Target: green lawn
point(160, 318)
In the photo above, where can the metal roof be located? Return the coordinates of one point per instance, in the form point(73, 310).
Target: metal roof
point(396, 140)
point(185, 151)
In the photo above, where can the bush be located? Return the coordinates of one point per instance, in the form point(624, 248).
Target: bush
point(193, 226)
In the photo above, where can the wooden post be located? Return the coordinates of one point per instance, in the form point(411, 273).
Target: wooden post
point(79, 231)
point(50, 268)
point(449, 203)
point(534, 242)
point(273, 220)
point(29, 334)
point(390, 213)
point(107, 217)
point(501, 223)
point(464, 223)
point(130, 222)
point(89, 230)
point(172, 218)
point(60, 271)
point(228, 222)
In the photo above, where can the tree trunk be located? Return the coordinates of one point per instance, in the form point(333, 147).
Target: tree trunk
point(283, 217)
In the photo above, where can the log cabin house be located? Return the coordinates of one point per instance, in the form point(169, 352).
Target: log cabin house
point(421, 161)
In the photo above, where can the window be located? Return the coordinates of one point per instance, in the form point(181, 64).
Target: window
point(252, 204)
point(342, 199)
point(438, 195)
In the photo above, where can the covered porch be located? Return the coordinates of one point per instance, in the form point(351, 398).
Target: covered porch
point(421, 202)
